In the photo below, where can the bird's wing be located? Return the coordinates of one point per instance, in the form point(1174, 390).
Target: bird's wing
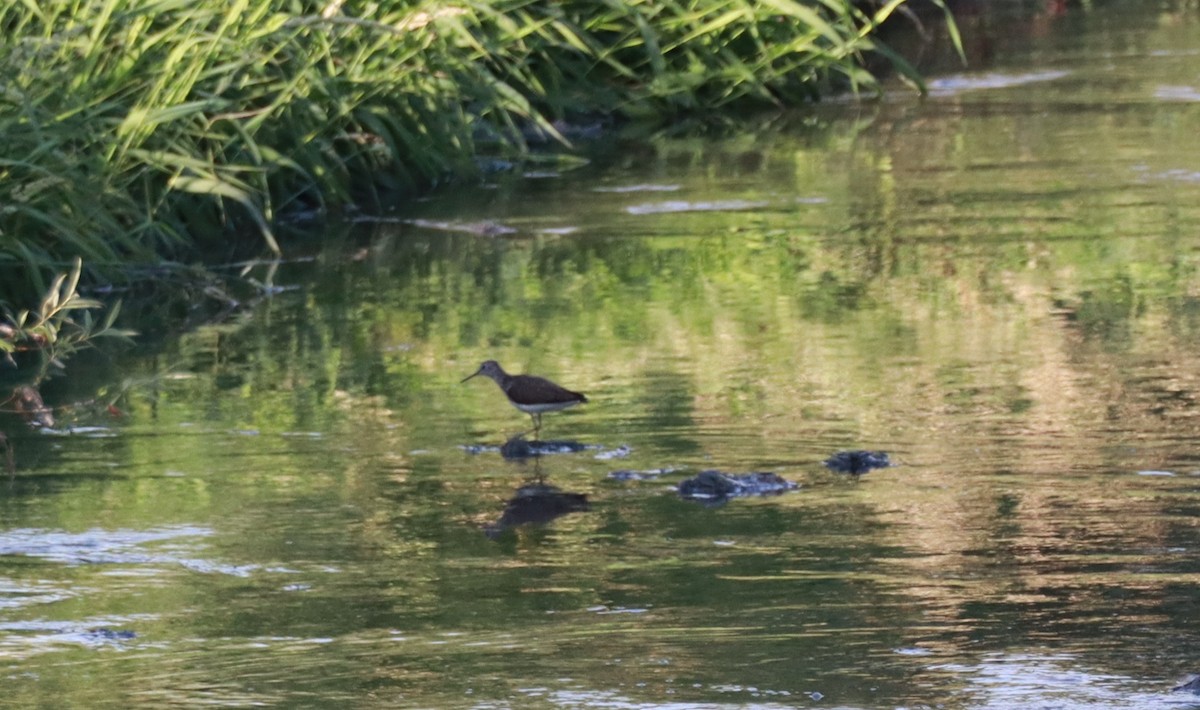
point(527, 389)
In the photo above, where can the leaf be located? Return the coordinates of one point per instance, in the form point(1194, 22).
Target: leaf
point(221, 188)
point(49, 302)
point(144, 117)
point(111, 316)
point(72, 283)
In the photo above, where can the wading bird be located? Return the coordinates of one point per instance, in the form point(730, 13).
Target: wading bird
point(532, 395)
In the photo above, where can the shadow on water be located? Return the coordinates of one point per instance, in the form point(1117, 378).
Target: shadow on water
point(535, 502)
point(857, 462)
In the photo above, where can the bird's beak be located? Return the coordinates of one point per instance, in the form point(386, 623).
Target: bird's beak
point(470, 376)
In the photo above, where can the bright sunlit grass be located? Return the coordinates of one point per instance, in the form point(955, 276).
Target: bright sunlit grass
point(141, 129)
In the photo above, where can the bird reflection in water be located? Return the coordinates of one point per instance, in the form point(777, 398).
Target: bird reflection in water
point(538, 503)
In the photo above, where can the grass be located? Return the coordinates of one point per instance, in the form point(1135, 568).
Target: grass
point(143, 130)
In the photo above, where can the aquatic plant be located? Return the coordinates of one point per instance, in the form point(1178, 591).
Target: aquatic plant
point(142, 129)
point(62, 324)
point(34, 344)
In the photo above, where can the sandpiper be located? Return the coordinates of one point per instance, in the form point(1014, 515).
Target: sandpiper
point(532, 395)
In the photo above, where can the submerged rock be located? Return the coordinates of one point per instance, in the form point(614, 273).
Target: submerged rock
point(1192, 685)
point(857, 462)
point(518, 448)
point(103, 634)
point(715, 485)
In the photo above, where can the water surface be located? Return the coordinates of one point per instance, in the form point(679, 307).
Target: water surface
point(998, 285)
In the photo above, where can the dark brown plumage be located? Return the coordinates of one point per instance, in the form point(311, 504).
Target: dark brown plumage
point(530, 394)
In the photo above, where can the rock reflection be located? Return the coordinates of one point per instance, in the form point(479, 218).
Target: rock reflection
point(537, 503)
point(857, 462)
point(26, 402)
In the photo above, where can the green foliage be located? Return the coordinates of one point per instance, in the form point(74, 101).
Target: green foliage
point(61, 325)
point(656, 58)
point(136, 129)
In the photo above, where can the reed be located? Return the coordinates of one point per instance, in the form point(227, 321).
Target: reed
point(141, 130)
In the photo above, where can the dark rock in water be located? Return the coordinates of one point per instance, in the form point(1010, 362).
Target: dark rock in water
point(112, 634)
point(714, 485)
point(709, 484)
point(857, 462)
point(518, 448)
point(536, 503)
point(1191, 686)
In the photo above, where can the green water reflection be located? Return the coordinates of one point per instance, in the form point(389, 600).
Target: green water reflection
point(999, 285)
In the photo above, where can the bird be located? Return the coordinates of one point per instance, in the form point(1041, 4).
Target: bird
point(528, 393)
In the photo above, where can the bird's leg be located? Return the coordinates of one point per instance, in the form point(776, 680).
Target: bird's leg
point(537, 425)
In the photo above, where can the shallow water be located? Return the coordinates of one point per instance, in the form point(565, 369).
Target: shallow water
point(998, 285)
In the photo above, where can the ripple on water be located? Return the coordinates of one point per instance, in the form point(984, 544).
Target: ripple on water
point(25, 638)
point(1059, 681)
point(592, 698)
point(14, 595)
point(672, 206)
point(114, 547)
point(91, 432)
point(958, 83)
point(1177, 93)
point(649, 187)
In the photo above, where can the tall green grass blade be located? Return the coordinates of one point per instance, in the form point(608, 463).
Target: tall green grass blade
point(132, 127)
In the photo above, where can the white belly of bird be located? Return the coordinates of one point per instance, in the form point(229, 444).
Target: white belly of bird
point(539, 408)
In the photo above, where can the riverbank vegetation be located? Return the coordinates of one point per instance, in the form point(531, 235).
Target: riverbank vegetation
point(36, 343)
point(143, 130)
